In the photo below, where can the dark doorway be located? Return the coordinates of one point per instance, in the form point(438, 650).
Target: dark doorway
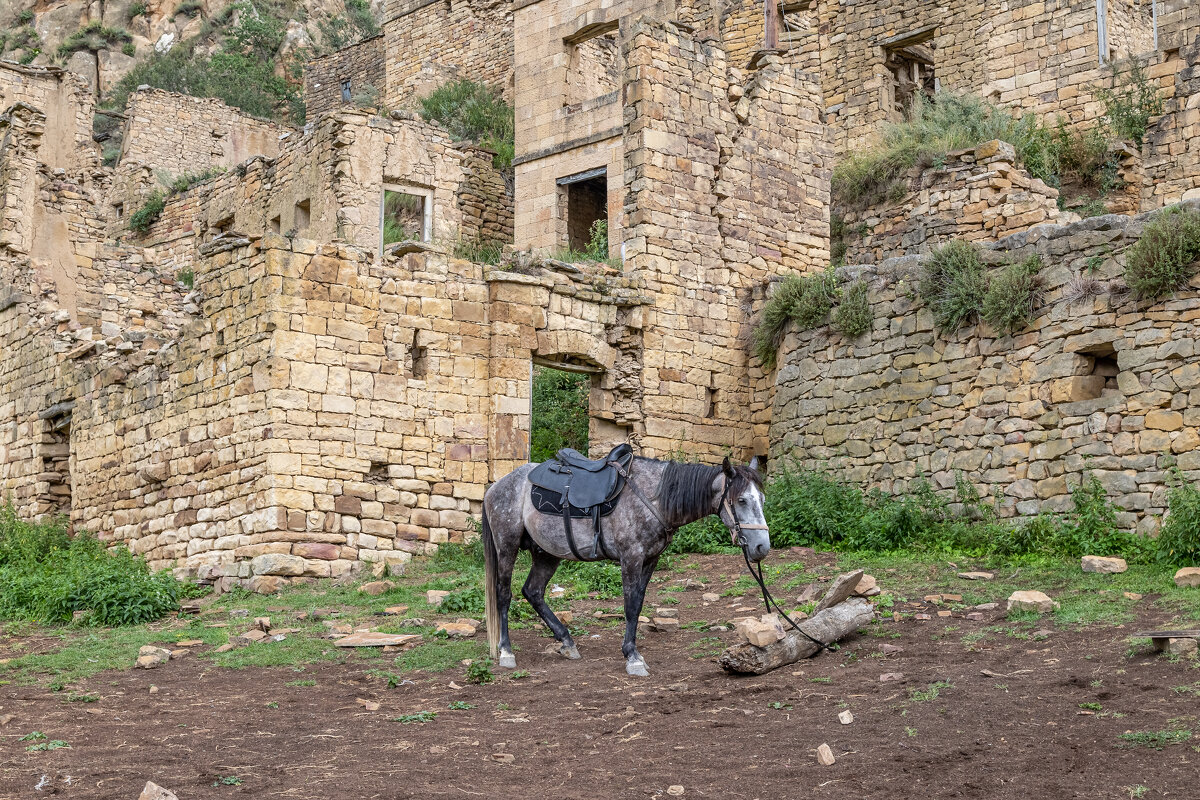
point(586, 204)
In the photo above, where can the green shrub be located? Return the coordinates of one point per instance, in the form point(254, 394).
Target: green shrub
point(480, 672)
point(1164, 259)
point(803, 299)
point(465, 601)
point(187, 180)
point(25, 17)
point(129, 49)
point(474, 112)
point(47, 576)
point(1131, 102)
point(189, 8)
point(948, 122)
point(1012, 295)
point(356, 24)
point(853, 317)
point(93, 37)
point(953, 284)
point(21, 38)
point(1082, 154)
point(136, 9)
point(1178, 542)
point(148, 214)
point(559, 412)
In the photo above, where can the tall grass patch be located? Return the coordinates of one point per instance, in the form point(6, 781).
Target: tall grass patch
point(1164, 259)
point(953, 284)
point(1012, 296)
point(474, 112)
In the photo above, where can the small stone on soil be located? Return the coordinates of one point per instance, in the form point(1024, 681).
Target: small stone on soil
point(890, 649)
point(1031, 601)
point(710, 597)
point(846, 717)
point(976, 576)
point(1134, 596)
point(455, 630)
point(151, 657)
point(395, 611)
point(435, 596)
point(152, 791)
point(675, 790)
point(825, 756)
point(664, 624)
point(376, 588)
point(1188, 577)
point(369, 705)
point(889, 677)
point(1103, 565)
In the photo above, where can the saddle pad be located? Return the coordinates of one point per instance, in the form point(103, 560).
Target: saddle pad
point(549, 502)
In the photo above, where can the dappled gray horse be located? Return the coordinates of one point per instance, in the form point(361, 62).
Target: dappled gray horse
point(658, 498)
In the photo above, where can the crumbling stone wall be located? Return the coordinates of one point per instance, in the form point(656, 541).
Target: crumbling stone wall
point(431, 42)
point(749, 166)
point(1103, 384)
point(1178, 25)
point(361, 64)
point(1171, 149)
point(976, 195)
point(180, 134)
point(67, 104)
point(1038, 57)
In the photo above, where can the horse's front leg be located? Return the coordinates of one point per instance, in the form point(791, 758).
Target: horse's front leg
point(635, 575)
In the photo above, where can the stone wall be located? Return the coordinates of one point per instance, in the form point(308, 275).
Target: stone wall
point(337, 171)
point(1178, 24)
point(179, 134)
point(67, 104)
point(1171, 149)
point(977, 195)
point(1040, 57)
point(1104, 385)
point(361, 64)
point(748, 167)
point(431, 42)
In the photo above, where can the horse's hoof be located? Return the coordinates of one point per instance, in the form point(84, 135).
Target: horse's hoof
point(508, 661)
point(571, 652)
point(637, 668)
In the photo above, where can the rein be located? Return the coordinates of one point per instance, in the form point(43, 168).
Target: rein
point(739, 540)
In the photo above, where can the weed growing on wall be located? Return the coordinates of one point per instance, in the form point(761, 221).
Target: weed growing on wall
point(1012, 295)
point(474, 112)
point(852, 317)
point(148, 214)
point(1165, 258)
point(1131, 102)
point(803, 299)
point(93, 37)
point(953, 284)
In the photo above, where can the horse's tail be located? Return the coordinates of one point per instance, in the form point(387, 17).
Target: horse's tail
point(490, 558)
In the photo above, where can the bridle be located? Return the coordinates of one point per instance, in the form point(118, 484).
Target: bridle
point(736, 532)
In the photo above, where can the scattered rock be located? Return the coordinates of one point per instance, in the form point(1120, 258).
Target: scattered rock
point(841, 589)
point(945, 614)
point(369, 705)
point(435, 596)
point(890, 649)
point(1042, 634)
point(867, 586)
point(1188, 577)
point(263, 624)
point(395, 611)
point(5, 719)
point(1031, 601)
point(976, 616)
point(952, 598)
point(1134, 596)
point(376, 588)
point(761, 632)
point(249, 637)
point(664, 624)
point(976, 576)
point(152, 791)
point(675, 790)
point(809, 593)
point(503, 758)
point(153, 689)
point(846, 717)
point(1103, 565)
point(225, 648)
point(666, 612)
point(150, 657)
point(556, 592)
point(1176, 647)
point(565, 617)
point(933, 598)
point(986, 607)
point(825, 756)
point(376, 639)
point(692, 583)
point(190, 643)
point(710, 597)
point(239, 612)
point(922, 617)
point(455, 630)
point(891, 677)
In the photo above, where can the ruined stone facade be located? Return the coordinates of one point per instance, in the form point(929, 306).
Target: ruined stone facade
point(1102, 385)
point(423, 44)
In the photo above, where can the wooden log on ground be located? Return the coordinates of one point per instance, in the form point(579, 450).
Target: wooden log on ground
point(826, 626)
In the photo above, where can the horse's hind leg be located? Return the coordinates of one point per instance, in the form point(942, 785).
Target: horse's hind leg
point(544, 565)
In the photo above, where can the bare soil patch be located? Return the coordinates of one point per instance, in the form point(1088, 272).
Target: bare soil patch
point(983, 709)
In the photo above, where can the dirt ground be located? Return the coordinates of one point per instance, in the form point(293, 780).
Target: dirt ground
point(1009, 724)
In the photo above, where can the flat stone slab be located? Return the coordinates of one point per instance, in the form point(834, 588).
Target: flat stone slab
point(376, 639)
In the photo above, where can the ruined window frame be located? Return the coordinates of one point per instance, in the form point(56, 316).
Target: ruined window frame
point(426, 195)
point(583, 34)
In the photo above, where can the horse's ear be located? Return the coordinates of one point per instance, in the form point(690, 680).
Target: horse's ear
point(727, 467)
point(755, 464)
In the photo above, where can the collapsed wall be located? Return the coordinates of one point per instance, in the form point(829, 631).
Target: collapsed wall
point(67, 105)
point(1097, 383)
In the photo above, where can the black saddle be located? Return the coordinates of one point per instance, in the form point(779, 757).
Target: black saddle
point(578, 487)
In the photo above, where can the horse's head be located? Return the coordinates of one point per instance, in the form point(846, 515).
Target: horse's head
point(741, 508)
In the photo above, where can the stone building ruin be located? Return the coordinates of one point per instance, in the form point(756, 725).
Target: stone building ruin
point(253, 387)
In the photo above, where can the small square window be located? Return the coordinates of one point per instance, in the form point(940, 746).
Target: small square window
point(406, 215)
point(302, 215)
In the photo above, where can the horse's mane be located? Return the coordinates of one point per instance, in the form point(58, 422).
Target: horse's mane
point(685, 491)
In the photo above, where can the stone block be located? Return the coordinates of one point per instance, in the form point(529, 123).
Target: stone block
point(1103, 565)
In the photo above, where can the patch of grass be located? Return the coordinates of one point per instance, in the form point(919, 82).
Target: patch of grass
point(302, 682)
point(1091, 706)
point(418, 717)
point(953, 284)
point(930, 693)
point(228, 780)
point(33, 737)
point(93, 37)
point(1012, 296)
point(1155, 740)
point(780, 706)
point(53, 744)
point(153, 207)
point(189, 8)
point(479, 251)
point(852, 317)
point(136, 9)
point(343, 30)
point(459, 705)
point(584, 577)
point(1164, 259)
point(480, 671)
point(82, 698)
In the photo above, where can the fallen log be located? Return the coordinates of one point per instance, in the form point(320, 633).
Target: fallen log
point(825, 626)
